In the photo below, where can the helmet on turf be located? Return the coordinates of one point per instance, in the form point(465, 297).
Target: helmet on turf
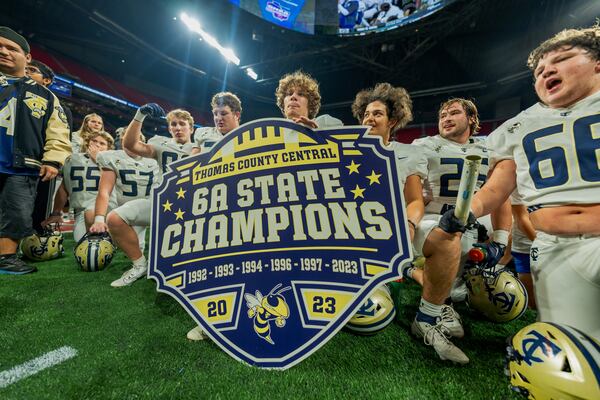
point(375, 314)
point(499, 296)
point(94, 251)
point(553, 361)
point(45, 246)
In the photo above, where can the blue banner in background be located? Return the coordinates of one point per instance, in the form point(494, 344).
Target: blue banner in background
point(298, 15)
point(273, 239)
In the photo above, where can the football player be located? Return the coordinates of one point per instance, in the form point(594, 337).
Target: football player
point(121, 222)
point(124, 179)
point(440, 244)
point(227, 111)
point(549, 152)
point(91, 123)
point(299, 99)
point(385, 109)
point(81, 178)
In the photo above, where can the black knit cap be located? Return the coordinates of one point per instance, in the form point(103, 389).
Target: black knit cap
point(9, 34)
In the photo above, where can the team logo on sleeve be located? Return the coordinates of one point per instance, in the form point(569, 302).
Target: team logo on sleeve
point(275, 238)
point(61, 114)
point(37, 104)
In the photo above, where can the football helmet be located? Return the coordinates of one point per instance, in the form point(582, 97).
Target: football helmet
point(499, 296)
point(553, 361)
point(94, 251)
point(375, 314)
point(45, 246)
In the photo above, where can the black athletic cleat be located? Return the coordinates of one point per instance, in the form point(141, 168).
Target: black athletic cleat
point(13, 265)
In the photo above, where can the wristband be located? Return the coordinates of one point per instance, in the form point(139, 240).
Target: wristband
point(139, 116)
point(500, 236)
point(99, 218)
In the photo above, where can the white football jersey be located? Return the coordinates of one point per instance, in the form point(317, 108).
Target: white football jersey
point(205, 138)
point(556, 152)
point(168, 151)
point(445, 160)
point(135, 176)
point(410, 160)
point(81, 176)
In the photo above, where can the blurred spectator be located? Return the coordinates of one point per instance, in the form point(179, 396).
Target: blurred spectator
point(118, 136)
point(91, 123)
point(350, 13)
point(387, 13)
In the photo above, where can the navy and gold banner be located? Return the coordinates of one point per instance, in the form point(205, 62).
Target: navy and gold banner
point(273, 239)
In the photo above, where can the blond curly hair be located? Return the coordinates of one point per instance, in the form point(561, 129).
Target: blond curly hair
point(303, 83)
point(105, 135)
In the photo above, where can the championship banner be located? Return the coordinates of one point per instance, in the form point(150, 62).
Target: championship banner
point(276, 237)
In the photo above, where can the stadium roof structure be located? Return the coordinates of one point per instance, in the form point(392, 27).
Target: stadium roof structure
point(471, 48)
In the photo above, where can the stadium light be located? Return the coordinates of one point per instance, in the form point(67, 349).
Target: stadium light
point(194, 26)
point(251, 73)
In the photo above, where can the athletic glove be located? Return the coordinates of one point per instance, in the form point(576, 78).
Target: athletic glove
point(450, 224)
point(151, 109)
point(493, 252)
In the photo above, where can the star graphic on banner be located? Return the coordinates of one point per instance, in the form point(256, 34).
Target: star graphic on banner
point(353, 167)
point(179, 214)
point(181, 193)
point(358, 192)
point(167, 205)
point(373, 178)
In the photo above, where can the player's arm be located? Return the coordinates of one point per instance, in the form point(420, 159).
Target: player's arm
point(502, 217)
point(131, 138)
point(60, 199)
point(415, 207)
point(108, 179)
point(519, 212)
point(495, 201)
point(57, 146)
point(499, 186)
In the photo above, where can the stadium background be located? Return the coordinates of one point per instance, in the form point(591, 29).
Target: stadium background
point(132, 343)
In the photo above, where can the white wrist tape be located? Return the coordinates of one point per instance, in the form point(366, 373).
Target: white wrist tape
point(500, 236)
point(99, 218)
point(139, 116)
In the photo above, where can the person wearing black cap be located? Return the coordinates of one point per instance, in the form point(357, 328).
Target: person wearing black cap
point(34, 142)
point(44, 75)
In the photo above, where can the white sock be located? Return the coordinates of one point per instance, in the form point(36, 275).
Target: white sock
point(140, 262)
point(430, 309)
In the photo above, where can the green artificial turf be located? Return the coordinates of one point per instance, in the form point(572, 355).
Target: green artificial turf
point(131, 345)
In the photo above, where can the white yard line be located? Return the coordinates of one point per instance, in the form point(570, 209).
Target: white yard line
point(36, 365)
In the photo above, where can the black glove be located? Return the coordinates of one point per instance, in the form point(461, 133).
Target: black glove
point(152, 110)
point(450, 224)
point(493, 253)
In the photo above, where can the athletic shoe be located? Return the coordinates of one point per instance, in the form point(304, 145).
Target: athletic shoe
point(130, 276)
point(13, 265)
point(452, 322)
point(436, 335)
point(196, 334)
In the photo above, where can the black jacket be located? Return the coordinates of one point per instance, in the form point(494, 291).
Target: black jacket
point(41, 133)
